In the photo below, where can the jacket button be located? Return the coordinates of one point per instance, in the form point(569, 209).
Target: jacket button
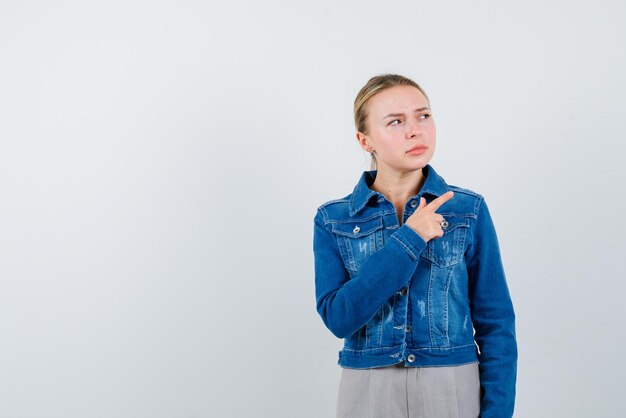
point(356, 229)
point(411, 358)
point(408, 328)
point(403, 292)
point(444, 224)
point(413, 203)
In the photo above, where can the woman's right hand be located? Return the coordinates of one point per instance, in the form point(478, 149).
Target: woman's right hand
point(425, 221)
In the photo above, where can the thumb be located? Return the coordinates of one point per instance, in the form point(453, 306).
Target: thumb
point(422, 203)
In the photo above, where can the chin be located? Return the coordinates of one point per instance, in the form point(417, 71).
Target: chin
point(419, 161)
point(409, 168)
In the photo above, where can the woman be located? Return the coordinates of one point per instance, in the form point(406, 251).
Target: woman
point(408, 272)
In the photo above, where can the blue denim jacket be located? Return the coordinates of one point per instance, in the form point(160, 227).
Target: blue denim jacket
point(395, 298)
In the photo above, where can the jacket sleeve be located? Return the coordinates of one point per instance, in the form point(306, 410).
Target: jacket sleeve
point(345, 304)
point(493, 318)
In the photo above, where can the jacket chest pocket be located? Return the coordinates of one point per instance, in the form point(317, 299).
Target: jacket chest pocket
point(358, 240)
point(448, 249)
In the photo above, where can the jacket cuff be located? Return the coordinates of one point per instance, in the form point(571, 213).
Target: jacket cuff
point(410, 240)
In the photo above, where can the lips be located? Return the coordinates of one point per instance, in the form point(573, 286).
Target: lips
point(416, 150)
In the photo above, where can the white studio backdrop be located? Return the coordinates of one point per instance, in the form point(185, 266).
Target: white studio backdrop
point(161, 164)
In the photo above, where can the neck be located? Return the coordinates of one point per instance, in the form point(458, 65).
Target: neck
point(398, 187)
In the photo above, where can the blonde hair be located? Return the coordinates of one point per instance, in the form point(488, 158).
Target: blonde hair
point(374, 86)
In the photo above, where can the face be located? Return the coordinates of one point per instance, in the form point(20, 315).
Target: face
point(398, 120)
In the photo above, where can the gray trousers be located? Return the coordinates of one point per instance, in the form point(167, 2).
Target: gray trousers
point(410, 392)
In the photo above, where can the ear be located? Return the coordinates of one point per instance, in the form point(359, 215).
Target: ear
point(364, 141)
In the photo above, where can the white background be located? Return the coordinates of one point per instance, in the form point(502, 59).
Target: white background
point(161, 163)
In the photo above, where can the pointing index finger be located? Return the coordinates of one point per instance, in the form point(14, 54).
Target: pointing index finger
point(436, 203)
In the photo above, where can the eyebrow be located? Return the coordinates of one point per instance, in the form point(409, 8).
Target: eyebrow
point(395, 115)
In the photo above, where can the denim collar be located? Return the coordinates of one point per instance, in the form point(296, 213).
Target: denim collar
point(361, 194)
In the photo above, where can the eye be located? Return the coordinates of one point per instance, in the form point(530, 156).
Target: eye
point(424, 116)
point(395, 122)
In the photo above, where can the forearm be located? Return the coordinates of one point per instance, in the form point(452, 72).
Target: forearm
point(498, 363)
point(345, 304)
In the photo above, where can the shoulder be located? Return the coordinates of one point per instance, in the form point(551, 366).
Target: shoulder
point(467, 200)
point(335, 208)
point(465, 191)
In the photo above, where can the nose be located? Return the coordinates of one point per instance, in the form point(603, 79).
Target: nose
point(412, 128)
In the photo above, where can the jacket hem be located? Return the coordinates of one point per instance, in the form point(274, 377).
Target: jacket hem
point(422, 357)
